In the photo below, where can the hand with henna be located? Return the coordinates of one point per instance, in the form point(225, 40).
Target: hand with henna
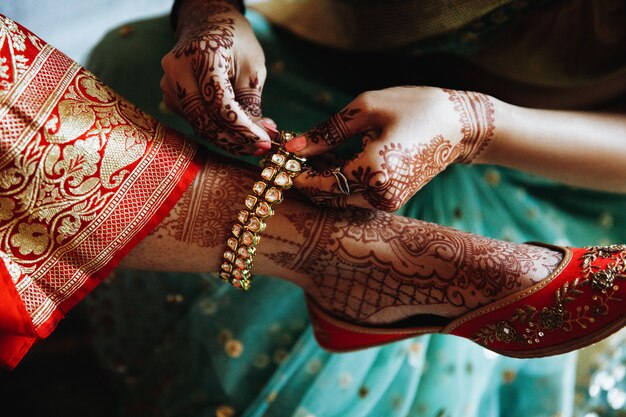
point(214, 75)
point(409, 135)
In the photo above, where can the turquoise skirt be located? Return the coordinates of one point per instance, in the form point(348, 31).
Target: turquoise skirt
point(188, 345)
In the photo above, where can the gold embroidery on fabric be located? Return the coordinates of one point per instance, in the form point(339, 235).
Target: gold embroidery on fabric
point(13, 40)
point(61, 182)
point(24, 108)
point(74, 158)
point(14, 271)
point(558, 317)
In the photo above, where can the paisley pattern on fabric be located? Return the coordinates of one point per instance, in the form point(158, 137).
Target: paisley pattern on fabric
point(83, 175)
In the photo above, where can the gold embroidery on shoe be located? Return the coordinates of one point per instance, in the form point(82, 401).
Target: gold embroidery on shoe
point(558, 317)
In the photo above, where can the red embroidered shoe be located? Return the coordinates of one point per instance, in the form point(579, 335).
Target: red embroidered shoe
point(582, 302)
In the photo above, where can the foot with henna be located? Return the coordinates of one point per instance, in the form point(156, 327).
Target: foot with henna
point(373, 277)
point(380, 278)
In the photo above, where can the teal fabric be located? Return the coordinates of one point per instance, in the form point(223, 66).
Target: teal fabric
point(188, 345)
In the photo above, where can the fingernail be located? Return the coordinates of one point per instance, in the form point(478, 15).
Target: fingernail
point(269, 123)
point(296, 144)
point(271, 128)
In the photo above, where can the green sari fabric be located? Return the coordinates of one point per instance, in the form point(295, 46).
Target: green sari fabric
point(188, 345)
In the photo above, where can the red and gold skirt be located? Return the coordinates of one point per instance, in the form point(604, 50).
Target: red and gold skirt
point(84, 176)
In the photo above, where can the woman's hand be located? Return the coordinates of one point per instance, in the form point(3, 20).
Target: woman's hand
point(214, 76)
point(409, 135)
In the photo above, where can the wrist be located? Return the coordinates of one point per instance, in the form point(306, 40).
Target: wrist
point(477, 119)
point(497, 149)
point(190, 12)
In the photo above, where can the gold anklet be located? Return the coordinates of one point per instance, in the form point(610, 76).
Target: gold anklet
point(279, 169)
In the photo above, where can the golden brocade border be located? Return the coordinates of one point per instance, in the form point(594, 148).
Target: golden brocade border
point(11, 96)
point(160, 173)
point(37, 99)
point(82, 174)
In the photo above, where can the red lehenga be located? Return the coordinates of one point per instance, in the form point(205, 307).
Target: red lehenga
point(84, 176)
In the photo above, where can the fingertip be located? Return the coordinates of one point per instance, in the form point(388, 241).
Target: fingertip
point(296, 144)
point(269, 123)
point(261, 134)
point(270, 128)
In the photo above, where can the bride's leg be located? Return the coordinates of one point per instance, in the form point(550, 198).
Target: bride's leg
point(376, 267)
point(364, 268)
point(105, 172)
point(361, 265)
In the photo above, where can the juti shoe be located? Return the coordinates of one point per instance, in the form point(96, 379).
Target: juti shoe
point(580, 303)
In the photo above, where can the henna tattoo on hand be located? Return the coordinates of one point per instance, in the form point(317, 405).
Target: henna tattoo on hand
point(335, 130)
point(332, 197)
point(206, 38)
point(193, 12)
point(249, 98)
point(477, 119)
point(216, 37)
point(215, 129)
point(403, 169)
point(404, 172)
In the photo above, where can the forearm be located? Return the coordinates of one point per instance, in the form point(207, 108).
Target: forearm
point(585, 149)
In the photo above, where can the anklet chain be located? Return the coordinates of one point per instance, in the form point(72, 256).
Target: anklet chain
point(279, 169)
